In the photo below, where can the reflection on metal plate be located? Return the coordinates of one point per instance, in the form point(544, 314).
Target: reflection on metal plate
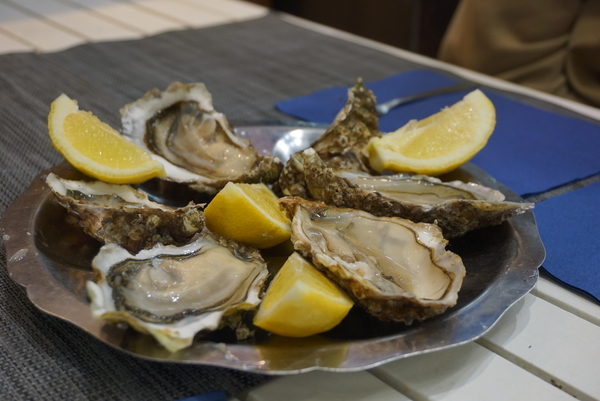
point(52, 258)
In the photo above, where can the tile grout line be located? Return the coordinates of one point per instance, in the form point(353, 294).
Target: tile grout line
point(201, 7)
point(582, 314)
point(43, 19)
point(159, 14)
point(533, 369)
point(219, 10)
point(19, 39)
point(396, 384)
point(233, 17)
point(93, 12)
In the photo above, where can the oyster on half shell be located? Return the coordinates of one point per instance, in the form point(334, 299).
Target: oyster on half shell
point(343, 146)
point(455, 206)
point(173, 292)
point(181, 129)
point(395, 269)
point(122, 215)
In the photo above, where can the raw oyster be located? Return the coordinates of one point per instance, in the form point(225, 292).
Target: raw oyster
point(455, 206)
point(395, 269)
point(175, 292)
point(342, 146)
point(122, 215)
point(181, 129)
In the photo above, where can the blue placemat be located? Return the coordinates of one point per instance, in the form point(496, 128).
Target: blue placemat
point(569, 227)
point(530, 151)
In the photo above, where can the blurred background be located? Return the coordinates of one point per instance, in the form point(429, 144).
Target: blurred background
point(552, 46)
point(415, 25)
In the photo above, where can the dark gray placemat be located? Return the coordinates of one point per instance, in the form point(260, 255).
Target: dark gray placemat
point(247, 66)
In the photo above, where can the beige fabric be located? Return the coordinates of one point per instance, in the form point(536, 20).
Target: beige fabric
point(550, 45)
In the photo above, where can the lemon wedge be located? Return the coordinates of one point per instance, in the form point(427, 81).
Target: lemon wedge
point(438, 143)
point(248, 213)
point(96, 149)
point(301, 301)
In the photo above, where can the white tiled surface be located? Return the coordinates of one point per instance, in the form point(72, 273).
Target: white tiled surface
point(34, 33)
point(52, 25)
point(131, 16)
point(544, 348)
point(354, 386)
point(537, 351)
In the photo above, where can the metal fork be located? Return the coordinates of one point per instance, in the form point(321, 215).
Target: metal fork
point(384, 108)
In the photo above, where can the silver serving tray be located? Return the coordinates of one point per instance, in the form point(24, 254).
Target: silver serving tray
point(50, 256)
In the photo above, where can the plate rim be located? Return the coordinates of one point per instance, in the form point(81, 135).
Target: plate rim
point(29, 270)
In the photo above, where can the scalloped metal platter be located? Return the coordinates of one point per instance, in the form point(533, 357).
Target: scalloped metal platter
point(51, 257)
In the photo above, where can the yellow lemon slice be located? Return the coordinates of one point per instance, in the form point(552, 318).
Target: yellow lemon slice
point(248, 213)
point(438, 143)
point(301, 301)
point(96, 149)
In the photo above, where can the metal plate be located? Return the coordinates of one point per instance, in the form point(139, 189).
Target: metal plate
point(51, 256)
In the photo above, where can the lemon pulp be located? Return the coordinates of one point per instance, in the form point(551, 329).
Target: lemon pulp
point(301, 301)
point(248, 213)
point(438, 143)
point(97, 149)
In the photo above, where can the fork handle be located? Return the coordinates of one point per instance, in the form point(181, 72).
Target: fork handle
point(384, 108)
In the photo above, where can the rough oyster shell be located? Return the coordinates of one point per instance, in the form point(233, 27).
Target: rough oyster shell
point(173, 292)
point(455, 206)
point(395, 269)
point(125, 216)
point(342, 146)
point(195, 143)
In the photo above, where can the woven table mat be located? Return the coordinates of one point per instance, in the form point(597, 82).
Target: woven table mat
point(247, 66)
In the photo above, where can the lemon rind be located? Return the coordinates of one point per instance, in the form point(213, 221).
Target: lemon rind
point(385, 155)
point(63, 106)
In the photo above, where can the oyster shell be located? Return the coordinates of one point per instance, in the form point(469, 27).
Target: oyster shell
point(395, 269)
point(195, 143)
point(173, 292)
point(455, 206)
point(125, 216)
point(342, 146)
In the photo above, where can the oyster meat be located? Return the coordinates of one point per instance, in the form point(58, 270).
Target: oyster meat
point(395, 269)
point(455, 206)
point(122, 215)
point(175, 292)
point(343, 146)
point(195, 143)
